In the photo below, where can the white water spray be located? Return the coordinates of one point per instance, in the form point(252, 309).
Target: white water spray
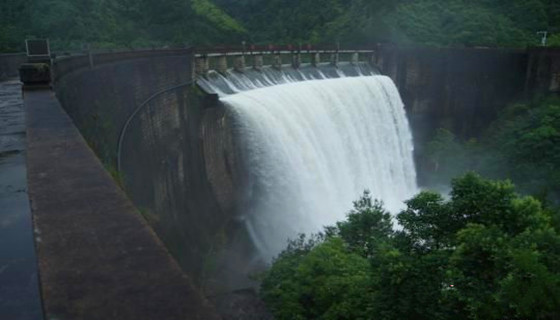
point(314, 146)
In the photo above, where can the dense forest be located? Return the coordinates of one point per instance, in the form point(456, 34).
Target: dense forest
point(144, 23)
point(486, 253)
point(483, 250)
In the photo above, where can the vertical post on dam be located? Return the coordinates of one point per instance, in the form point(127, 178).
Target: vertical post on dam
point(201, 66)
point(277, 61)
point(334, 59)
point(222, 64)
point(239, 63)
point(296, 60)
point(355, 58)
point(258, 62)
point(315, 59)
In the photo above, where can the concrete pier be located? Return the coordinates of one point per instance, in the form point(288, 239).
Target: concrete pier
point(355, 58)
point(334, 59)
point(315, 59)
point(296, 60)
point(239, 64)
point(277, 61)
point(222, 64)
point(258, 62)
point(201, 65)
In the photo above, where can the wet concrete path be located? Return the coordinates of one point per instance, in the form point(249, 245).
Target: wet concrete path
point(19, 288)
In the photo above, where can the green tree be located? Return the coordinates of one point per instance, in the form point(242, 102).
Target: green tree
point(367, 227)
point(486, 253)
point(326, 282)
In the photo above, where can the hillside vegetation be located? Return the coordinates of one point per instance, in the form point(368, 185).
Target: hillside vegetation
point(71, 24)
point(128, 23)
point(510, 23)
point(523, 144)
point(486, 253)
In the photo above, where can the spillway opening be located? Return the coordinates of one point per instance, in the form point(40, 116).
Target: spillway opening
point(312, 147)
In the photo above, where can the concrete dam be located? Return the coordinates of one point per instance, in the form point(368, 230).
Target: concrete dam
point(227, 153)
point(311, 141)
point(268, 157)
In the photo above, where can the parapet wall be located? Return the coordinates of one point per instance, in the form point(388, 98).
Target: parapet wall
point(9, 64)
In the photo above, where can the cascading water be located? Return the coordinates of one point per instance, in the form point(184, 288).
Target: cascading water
point(312, 147)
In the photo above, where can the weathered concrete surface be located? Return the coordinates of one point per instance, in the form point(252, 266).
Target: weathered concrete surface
point(462, 89)
point(100, 100)
point(164, 174)
point(180, 168)
point(98, 259)
point(543, 72)
point(9, 64)
point(19, 286)
point(458, 89)
point(165, 151)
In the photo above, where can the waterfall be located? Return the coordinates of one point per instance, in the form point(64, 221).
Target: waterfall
point(312, 147)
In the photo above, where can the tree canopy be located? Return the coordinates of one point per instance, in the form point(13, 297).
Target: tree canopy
point(121, 23)
point(427, 22)
point(116, 23)
point(485, 253)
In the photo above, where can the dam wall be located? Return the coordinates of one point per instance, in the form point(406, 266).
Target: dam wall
point(9, 64)
point(458, 89)
point(178, 160)
point(177, 164)
point(543, 71)
point(461, 90)
point(100, 92)
point(162, 139)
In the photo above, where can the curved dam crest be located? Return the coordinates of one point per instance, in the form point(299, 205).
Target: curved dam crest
point(311, 143)
point(183, 169)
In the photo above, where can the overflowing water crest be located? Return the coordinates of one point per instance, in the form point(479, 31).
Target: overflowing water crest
point(312, 148)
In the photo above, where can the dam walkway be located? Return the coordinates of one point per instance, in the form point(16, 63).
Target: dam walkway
point(19, 292)
point(97, 257)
